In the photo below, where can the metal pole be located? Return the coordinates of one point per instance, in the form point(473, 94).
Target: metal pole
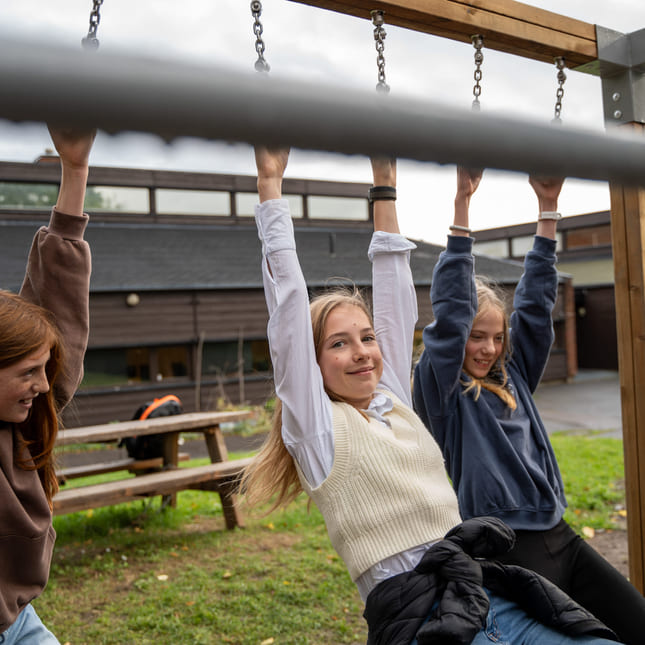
point(119, 93)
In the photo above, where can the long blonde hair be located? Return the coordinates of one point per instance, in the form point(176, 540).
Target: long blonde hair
point(490, 297)
point(25, 328)
point(273, 471)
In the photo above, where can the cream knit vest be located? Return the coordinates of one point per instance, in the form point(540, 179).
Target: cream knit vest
point(387, 490)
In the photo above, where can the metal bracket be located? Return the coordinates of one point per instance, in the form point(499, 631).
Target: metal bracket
point(621, 66)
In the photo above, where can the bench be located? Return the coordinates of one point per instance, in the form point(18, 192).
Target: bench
point(127, 463)
point(218, 476)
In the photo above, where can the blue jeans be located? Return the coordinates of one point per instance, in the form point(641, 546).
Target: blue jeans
point(563, 557)
point(28, 629)
point(508, 624)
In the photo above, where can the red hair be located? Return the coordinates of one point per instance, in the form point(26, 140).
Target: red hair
point(24, 329)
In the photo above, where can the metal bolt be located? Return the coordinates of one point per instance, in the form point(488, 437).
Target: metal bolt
point(615, 97)
point(618, 114)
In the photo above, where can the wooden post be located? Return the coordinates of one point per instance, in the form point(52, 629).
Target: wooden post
point(217, 452)
point(170, 460)
point(628, 240)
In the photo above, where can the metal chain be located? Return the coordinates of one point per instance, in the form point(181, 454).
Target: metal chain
point(562, 77)
point(478, 43)
point(379, 36)
point(260, 64)
point(91, 42)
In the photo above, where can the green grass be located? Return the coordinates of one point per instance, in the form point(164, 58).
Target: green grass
point(133, 574)
point(593, 475)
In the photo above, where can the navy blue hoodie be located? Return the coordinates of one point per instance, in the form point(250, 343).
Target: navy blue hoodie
point(500, 460)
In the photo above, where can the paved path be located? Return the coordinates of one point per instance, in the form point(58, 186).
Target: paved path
point(591, 401)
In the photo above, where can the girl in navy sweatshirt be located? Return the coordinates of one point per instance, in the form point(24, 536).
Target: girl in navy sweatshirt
point(473, 388)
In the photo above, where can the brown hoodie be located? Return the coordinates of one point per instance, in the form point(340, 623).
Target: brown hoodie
point(57, 278)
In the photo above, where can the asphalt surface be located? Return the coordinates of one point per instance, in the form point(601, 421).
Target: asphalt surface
point(590, 401)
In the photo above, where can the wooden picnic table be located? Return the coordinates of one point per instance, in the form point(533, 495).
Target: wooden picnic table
point(168, 478)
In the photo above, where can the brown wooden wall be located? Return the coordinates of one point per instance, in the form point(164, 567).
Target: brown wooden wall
point(176, 317)
point(562, 363)
point(119, 404)
point(179, 318)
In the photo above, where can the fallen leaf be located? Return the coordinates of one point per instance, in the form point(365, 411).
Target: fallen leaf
point(226, 575)
point(268, 641)
point(622, 513)
point(588, 531)
point(163, 577)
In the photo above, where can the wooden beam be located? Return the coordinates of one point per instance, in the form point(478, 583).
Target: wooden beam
point(628, 240)
point(507, 26)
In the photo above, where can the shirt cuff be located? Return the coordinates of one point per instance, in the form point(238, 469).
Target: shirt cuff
point(383, 242)
point(275, 226)
point(460, 244)
point(69, 227)
point(544, 245)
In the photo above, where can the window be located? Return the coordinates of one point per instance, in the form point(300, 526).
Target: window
point(105, 367)
point(27, 196)
point(521, 245)
point(172, 362)
point(492, 248)
point(119, 199)
point(193, 202)
point(353, 208)
point(245, 204)
point(222, 358)
point(128, 366)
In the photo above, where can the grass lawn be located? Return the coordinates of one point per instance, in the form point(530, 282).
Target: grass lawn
point(131, 574)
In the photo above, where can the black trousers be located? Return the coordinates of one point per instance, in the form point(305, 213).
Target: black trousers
point(566, 559)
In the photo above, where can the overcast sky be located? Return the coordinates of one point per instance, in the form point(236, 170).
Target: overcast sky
point(303, 42)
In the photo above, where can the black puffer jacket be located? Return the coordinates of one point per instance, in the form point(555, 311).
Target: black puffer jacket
point(453, 573)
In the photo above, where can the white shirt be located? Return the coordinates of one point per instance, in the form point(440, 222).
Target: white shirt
point(307, 429)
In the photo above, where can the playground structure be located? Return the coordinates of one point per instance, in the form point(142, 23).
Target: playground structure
point(107, 92)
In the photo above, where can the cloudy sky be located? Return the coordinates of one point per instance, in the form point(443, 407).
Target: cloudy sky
point(311, 44)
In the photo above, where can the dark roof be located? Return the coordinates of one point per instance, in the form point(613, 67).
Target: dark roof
point(158, 257)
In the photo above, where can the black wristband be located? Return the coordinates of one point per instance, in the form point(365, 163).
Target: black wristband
point(381, 192)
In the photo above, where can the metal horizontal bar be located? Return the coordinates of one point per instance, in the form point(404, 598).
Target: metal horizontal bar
point(123, 93)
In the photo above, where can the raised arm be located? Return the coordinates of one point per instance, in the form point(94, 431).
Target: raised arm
point(306, 410)
point(454, 305)
point(467, 183)
point(393, 293)
point(73, 147)
point(547, 190)
point(58, 268)
point(271, 164)
point(531, 325)
point(384, 176)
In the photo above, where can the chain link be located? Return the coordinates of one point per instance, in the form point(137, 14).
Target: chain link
point(478, 43)
point(559, 94)
point(379, 36)
point(91, 42)
point(260, 64)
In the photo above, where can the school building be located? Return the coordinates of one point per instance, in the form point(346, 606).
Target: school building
point(176, 302)
point(585, 253)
